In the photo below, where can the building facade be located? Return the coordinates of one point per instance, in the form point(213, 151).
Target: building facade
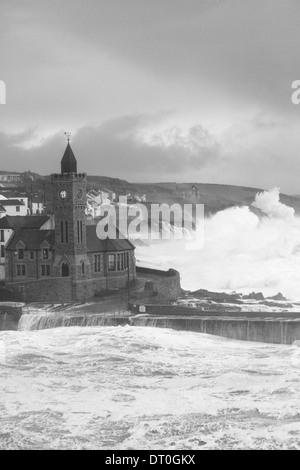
point(11, 224)
point(69, 263)
point(10, 177)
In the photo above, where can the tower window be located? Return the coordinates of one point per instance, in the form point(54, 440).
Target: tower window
point(82, 268)
point(65, 272)
point(61, 231)
point(21, 254)
point(67, 231)
point(31, 255)
point(79, 231)
point(45, 253)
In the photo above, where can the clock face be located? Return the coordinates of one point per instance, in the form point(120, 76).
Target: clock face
point(63, 194)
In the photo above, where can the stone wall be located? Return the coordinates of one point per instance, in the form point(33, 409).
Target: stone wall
point(44, 290)
point(64, 289)
point(166, 284)
point(263, 330)
point(163, 309)
point(10, 314)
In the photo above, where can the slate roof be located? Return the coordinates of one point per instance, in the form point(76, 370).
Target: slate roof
point(23, 221)
point(95, 244)
point(68, 162)
point(32, 239)
point(11, 202)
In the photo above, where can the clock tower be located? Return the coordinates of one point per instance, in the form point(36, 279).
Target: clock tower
point(69, 204)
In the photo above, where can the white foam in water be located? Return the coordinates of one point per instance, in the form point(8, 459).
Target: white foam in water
point(241, 252)
point(150, 388)
point(146, 388)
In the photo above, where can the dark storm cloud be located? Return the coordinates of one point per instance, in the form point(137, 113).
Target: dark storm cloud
point(114, 149)
point(84, 65)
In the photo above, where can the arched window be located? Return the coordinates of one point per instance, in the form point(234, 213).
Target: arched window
point(82, 268)
point(65, 272)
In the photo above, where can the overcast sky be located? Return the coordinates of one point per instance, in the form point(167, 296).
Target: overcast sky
point(153, 90)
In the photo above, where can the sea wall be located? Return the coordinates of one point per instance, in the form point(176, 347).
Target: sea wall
point(45, 321)
point(10, 314)
point(265, 330)
point(181, 310)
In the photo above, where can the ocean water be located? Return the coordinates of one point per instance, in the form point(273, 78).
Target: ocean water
point(146, 388)
point(241, 251)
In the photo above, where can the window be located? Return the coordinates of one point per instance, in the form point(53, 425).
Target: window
point(120, 261)
point(45, 269)
point(65, 270)
point(67, 232)
point(17, 208)
point(125, 260)
point(97, 263)
point(2, 235)
point(79, 231)
point(2, 252)
point(82, 268)
point(21, 270)
point(31, 254)
point(21, 254)
point(61, 231)
point(45, 253)
point(111, 262)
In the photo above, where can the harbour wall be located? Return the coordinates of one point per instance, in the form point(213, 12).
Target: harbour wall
point(10, 314)
point(260, 329)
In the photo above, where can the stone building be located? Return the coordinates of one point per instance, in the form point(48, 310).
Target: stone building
point(69, 263)
point(11, 224)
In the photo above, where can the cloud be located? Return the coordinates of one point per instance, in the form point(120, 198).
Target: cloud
point(258, 152)
point(191, 90)
point(117, 148)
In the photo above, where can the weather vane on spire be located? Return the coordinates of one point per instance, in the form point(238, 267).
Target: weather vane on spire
point(68, 135)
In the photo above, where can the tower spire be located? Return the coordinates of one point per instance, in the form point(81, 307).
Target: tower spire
point(68, 162)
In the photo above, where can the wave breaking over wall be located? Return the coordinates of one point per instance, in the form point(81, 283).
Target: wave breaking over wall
point(43, 321)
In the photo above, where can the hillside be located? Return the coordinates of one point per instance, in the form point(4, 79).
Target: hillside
point(215, 197)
